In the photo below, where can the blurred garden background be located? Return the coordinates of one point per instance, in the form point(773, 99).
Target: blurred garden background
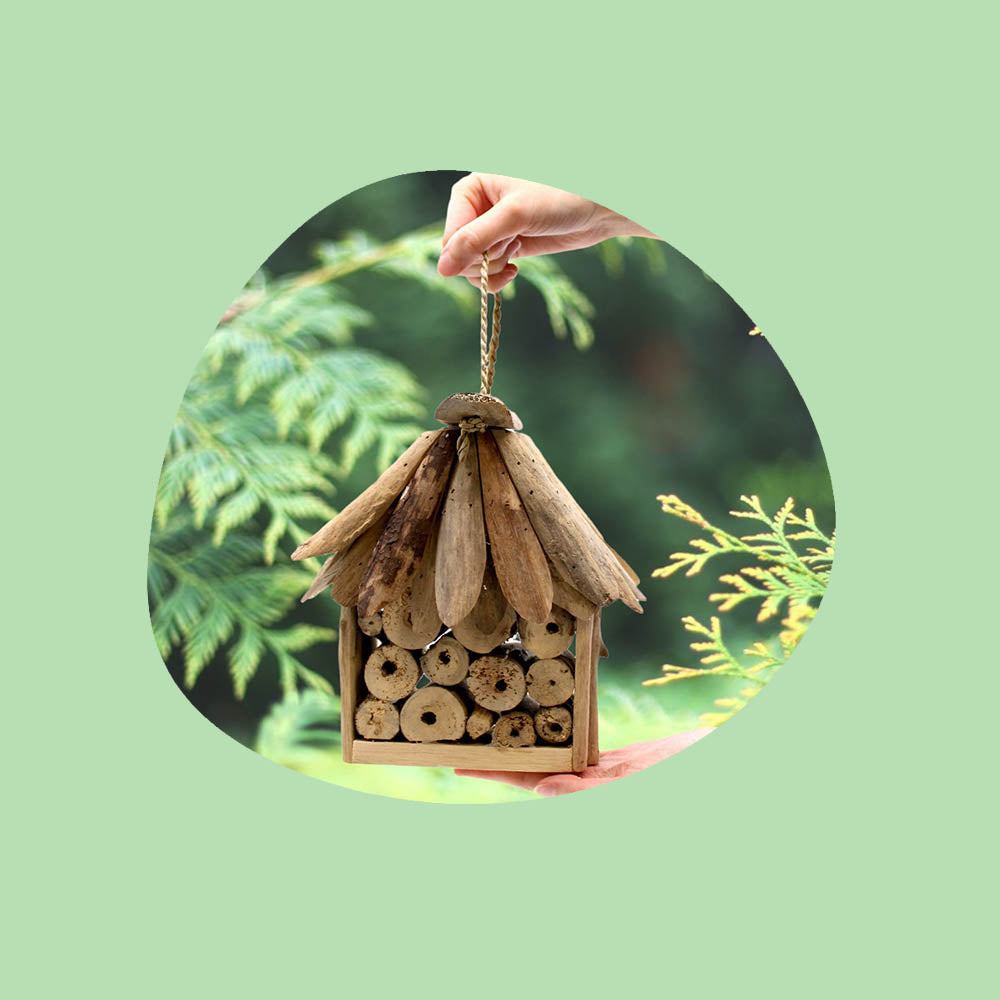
point(634, 372)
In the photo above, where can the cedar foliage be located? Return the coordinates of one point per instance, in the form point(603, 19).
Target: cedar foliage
point(282, 405)
point(791, 564)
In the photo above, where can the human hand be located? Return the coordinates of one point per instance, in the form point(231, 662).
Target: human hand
point(509, 218)
point(613, 764)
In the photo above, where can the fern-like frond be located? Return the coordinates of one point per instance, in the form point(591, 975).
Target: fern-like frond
point(783, 574)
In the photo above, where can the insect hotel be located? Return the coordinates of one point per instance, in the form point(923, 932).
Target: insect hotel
point(465, 574)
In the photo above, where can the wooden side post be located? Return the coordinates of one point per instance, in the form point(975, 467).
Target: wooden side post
point(583, 706)
point(349, 659)
point(594, 747)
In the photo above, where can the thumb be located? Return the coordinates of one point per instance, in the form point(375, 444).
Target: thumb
point(466, 246)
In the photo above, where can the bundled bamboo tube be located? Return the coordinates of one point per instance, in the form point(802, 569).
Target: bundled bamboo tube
point(391, 673)
point(433, 713)
point(461, 549)
point(371, 625)
point(549, 638)
point(376, 719)
point(446, 662)
point(520, 563)
point(550, 681)
point(514, 729)
point(362, 513)
point(480, 722)
point(403, 542)
point(496, 683)
point(554, 724)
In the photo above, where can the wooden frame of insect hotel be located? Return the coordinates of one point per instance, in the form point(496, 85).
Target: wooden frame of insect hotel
point(464, 574)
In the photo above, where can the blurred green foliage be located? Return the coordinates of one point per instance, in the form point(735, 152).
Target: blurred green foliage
point(332, 359)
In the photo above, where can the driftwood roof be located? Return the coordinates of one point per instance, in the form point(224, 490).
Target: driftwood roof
point(470, 518)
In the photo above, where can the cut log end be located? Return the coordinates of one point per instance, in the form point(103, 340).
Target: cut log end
point(391, 673)
point(371, 625)
point(514, 729)
point(432, 714)
point(446, 662)
point(554, 724)
point(480, 722)
point(550, 681)
point(403, 627)
point(496, 683)
point(376, 719)
point(550, 637)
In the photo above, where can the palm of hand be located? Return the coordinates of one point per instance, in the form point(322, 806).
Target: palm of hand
point(613, 764)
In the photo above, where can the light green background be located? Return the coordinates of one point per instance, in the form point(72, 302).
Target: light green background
point(829, 167)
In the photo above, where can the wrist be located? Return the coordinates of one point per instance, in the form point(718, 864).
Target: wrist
point(613, 224)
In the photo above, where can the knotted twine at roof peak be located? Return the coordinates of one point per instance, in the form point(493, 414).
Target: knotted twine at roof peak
point(488, 343)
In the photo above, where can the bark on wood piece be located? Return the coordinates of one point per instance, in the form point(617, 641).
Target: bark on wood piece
point(431, 714)
point(403, 543)
point(461, 551)
point(470, 635)
point(514, 729)
point(550, 637)
point(349, 658)
point(343, 571)
point(496, 683)
point(412, 621)
point(580, 556)
point(376, 719)
point(476, 404)
point(480, 722)
point(554, 724)
point(371, 625)
point(550, 681)
point(593, 749)
point(518, 558)
point(586, 659)
point(391, 673)
point(446, 662)
point(568, 597)
point(361, 513)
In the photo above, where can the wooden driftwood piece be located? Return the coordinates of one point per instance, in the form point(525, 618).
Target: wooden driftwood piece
point(402, 544)
point(349, 657)
point(550, 681)
point(433, 713)
point(490, 622)
point(371, 625)
point(461, 548)
point(343, 572)
point(518, 558)
point(489, 409)
point(580, 555)
point(567, 596)
point(547, 638)
point(361, 513)
point(376, 719)
point(391, 673)
point(496, 683)
point(446, 662)
point(412, 620)
point(480, 722)
point(514, 729)
point(554, 724)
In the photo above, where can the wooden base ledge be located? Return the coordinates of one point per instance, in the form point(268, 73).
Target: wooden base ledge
point(478, 758)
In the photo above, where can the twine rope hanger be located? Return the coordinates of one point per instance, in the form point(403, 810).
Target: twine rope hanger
point(489, 340)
